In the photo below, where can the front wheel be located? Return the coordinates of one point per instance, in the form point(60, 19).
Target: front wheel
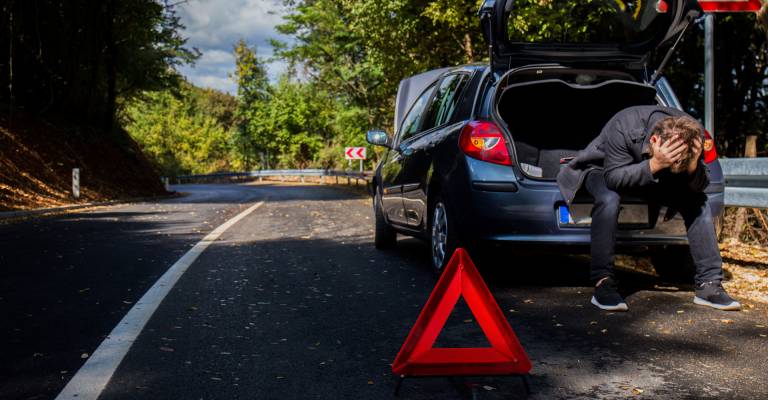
point(384, 237)
point(443, 235)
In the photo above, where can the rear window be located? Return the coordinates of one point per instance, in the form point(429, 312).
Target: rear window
point(613, 22)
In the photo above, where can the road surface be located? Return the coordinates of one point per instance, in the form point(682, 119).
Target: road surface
point(293, 301)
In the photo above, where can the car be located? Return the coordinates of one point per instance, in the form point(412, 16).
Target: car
point(477, 148)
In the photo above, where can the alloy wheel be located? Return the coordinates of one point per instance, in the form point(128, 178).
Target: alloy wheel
point(439, 235)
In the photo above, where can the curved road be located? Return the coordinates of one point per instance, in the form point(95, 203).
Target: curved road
point(293, 301)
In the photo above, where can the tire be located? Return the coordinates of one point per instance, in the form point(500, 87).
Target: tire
point(442, 234)
point(384, 237)
point(674, 264)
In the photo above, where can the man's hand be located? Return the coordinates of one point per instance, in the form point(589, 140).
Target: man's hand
point(666, 154)
point(697, 148)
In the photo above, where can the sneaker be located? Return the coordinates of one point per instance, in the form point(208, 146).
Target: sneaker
point(713, 295)
point(607, 298)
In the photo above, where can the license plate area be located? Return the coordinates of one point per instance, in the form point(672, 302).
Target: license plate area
point(631, 216)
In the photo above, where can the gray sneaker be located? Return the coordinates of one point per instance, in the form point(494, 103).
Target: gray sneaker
point(713, 295)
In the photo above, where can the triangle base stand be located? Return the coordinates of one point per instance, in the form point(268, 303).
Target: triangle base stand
point(472, 387)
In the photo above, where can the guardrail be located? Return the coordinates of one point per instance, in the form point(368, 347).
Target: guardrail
point(365, 176)
point(746, 182)
point(746, 179)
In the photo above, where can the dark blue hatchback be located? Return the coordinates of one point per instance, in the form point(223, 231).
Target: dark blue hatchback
point(477, 148)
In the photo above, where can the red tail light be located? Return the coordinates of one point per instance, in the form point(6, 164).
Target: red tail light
point(483, 140)
point(710, 153)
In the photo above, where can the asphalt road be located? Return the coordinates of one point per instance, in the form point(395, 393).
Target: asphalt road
point(293, 301)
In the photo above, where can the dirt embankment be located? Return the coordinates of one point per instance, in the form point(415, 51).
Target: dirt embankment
point(37, 158)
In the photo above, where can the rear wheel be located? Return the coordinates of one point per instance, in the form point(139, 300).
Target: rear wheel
point(674, 264)
point(384, 237)
point(443, 235)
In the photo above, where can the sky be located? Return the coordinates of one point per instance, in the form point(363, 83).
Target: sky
point(214, 26)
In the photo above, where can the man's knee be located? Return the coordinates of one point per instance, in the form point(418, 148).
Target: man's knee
point(607, 199)
point(692, 206)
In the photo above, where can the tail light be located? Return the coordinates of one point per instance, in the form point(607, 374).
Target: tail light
point(710, 153)
point(484, 141)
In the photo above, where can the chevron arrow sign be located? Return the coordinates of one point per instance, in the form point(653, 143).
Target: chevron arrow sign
point(354, 153)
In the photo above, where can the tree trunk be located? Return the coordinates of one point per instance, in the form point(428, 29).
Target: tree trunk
point(109, 111)
point(468, 48)
point(750, 146)
point(750, 151)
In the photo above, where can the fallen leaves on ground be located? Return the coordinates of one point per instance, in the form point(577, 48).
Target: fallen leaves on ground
point(746, 270)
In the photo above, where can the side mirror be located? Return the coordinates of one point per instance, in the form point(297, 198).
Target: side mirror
point(378, 138)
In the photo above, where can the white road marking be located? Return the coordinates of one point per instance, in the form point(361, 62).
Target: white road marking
point(93, 377)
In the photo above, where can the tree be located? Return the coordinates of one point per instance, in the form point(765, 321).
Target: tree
point(179, 130)
point(252, 92)
point(84, 60)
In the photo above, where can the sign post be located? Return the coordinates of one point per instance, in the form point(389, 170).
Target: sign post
point(709, 49)
point(709, 74)
point(76, 183)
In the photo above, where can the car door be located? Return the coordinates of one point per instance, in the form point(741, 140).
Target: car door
point(417, 150)
point(392, 165)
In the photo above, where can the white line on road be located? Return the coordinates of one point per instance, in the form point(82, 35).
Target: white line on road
point(93, 377)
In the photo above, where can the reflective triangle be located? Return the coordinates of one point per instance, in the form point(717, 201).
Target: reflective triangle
point(417, 357)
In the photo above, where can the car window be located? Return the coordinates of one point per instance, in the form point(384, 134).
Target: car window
point(445, 101)
point(412, 121)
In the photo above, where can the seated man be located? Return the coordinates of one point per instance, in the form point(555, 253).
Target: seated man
point(652, 152)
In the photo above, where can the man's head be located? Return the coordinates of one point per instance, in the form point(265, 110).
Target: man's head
point(683, 128)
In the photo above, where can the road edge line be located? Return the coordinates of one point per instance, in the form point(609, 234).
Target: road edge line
point(91, 379)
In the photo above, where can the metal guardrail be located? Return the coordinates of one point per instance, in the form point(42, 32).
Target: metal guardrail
point(271, 173)
point(746, 179)
point(746, 182)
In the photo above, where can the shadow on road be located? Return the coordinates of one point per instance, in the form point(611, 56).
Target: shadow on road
point(545, 293)
point(278, 192)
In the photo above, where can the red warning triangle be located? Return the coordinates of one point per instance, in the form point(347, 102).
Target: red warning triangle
point(417, 357)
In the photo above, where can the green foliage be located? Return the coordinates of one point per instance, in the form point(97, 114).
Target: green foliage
point(360, 50)
point(183, 133)
point(568, 21)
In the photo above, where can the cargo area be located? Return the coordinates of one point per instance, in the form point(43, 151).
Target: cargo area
point(554, 119)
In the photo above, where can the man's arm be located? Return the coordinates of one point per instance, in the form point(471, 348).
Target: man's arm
point(621, 169)
point(698, 173)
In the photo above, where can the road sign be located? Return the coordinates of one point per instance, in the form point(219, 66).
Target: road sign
point(730, 5)
point(354, 153)
point(417, 357)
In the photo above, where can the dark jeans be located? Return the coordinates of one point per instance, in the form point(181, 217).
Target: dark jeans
point(692, 206)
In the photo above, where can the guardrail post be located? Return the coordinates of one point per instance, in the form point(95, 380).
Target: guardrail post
point(76, 183)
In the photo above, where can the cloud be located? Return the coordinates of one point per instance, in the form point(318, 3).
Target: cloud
point(214, 26)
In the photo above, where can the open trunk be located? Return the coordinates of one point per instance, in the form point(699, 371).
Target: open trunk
point(553, 119)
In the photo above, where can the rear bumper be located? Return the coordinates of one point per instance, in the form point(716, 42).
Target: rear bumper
point(529, 215)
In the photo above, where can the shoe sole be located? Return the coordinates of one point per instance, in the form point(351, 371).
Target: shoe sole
point(617, 307)
point(734, 306)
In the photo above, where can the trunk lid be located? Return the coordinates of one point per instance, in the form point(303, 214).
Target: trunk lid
point(585, 32)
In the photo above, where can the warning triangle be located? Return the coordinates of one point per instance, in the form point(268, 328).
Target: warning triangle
point(417, 357)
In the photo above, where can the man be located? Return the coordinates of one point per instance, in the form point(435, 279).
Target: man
point(655, 153)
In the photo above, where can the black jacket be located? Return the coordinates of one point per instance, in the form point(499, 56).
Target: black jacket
point(622, 150)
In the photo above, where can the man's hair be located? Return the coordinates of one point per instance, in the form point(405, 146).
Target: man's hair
point(685, 128)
